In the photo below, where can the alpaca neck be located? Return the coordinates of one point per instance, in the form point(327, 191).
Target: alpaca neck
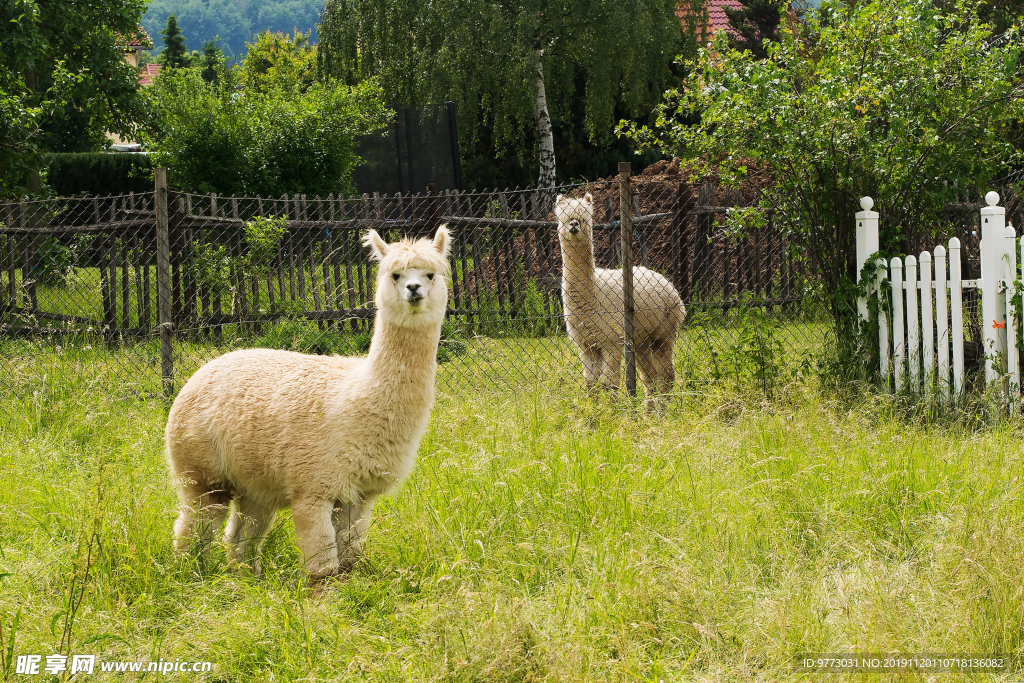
point(578, 269)
point(403, 356)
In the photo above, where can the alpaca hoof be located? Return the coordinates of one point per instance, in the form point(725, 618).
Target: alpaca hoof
point(322, 576)
point(253, 569)
point(346, 565)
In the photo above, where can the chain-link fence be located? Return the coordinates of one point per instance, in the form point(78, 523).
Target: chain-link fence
point(532, 298)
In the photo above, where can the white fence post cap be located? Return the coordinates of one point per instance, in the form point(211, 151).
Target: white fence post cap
point(992, 198)
point(866, 203)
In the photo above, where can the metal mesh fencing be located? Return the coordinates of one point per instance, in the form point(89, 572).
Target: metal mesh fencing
point(718, 294)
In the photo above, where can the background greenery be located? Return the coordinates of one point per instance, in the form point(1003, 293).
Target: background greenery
point(233, 22)
point(601, 61)
point(64, 82)
point(896, 100)
point(264, 127)
point(98, 174)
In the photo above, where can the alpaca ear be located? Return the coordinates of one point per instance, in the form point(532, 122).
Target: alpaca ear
point(442, 240)
point(588, 198)
point(377, 246)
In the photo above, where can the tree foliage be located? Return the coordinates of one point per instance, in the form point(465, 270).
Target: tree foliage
point(616, 57)
point(266, 141)
point(891, 98)
point(64, 81)
point(235, 22)
point(175, 54)
point(277, 61)
point(754, 22)
point(211, 61)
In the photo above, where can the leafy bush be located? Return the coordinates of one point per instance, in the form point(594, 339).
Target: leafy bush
point(55, 261)
point(298, 334)
point(894, 99)
point(277, 62)
point(216, 139)
point(98, 173)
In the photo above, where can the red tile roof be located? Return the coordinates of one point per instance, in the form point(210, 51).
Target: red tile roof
point(717, 19)
point(139, 40)
point(147, 73)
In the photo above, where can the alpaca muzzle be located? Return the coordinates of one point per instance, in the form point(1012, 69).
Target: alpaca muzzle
point(574, 227)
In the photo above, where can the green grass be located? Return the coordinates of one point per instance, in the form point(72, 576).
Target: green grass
point(545, 535)
point(709, 353)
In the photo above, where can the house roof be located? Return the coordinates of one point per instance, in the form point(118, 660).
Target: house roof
point(139, 40)
point(717, 18)
point(147, 73)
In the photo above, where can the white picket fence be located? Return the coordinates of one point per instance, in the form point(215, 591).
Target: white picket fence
point(921, 318)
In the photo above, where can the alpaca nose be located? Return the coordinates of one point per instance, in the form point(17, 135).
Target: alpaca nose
point(413, 287)
point(574, 227)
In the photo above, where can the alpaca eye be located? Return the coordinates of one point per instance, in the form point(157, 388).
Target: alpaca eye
point(395, 276)
point(430, 276)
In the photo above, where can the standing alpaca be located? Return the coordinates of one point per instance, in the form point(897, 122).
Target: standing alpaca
point(593, 302)
point(326, 436)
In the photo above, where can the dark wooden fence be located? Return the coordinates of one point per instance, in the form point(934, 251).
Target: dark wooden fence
point(70, 264)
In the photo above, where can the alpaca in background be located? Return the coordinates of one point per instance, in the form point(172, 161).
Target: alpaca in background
point(592, 299)
point(261, 430)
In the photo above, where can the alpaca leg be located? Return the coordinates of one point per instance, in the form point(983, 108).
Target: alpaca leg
point(665, 359)
point(246, 529)
point(611, 368)
point(351, 522)
point(592, 363)
point(645, 367)
point(663, 374)
point(203, 509)
point(316, 537)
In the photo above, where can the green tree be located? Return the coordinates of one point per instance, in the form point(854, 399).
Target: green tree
point(64, 82)
point(174, 55)
point(512, 69)
point(235, 22)
point(889, 98)
point(214, 138)
point(277, 61)
point(755, 21)
point(211, 62)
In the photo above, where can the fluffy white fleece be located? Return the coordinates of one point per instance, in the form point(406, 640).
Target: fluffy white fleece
point(260, 430)
point(592, 300)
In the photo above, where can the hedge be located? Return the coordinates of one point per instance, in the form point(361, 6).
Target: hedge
point(98, 173)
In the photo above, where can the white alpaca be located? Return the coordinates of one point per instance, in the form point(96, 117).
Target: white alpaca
point(266, 429)
point(592, 300)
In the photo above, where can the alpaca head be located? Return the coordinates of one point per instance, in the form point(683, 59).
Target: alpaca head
point(575, 219)
point(412, 279)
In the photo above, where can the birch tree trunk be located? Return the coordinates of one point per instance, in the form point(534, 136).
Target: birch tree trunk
point(545, 138)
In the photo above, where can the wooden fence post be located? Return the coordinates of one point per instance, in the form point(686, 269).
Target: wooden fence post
point(626, 240)
point(703, 253)
point(163, 278)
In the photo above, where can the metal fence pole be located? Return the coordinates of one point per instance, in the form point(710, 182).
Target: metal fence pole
point(163, 279)
point(626, 242)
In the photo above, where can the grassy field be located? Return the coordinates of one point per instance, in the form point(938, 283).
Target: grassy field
point(544, 535)
point(736, 350)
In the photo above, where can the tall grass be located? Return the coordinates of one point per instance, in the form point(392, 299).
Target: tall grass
point(545, 535)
